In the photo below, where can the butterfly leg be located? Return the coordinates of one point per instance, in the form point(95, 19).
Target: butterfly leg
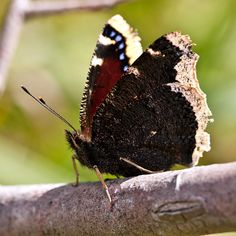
point(138, 166)
point(76, 171)
point(99, 175)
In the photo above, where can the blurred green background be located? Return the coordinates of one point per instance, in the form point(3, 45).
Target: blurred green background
point(52, 60)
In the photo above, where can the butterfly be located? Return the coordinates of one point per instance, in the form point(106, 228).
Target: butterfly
point(141, 112)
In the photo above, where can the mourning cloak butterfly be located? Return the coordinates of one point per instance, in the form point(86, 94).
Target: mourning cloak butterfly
point(141, 112)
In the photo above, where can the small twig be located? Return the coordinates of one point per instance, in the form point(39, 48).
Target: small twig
point(195, 201)
point(19, 10)
point(39, 8)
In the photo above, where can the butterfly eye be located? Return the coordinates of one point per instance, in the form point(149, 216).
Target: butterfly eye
point(76, 138)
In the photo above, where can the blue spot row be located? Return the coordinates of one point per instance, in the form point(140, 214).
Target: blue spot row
point(120, 45)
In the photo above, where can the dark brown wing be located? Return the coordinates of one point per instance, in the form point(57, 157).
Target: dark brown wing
point(156, 114)
point(117, 48)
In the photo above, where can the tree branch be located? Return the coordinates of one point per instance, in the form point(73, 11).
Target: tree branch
point(19, 10)
point(39, 8)
point(194, 201)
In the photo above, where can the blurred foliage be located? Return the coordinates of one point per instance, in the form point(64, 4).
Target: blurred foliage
point(53, 58)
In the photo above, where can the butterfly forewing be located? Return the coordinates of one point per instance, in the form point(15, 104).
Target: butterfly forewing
point(117, 48)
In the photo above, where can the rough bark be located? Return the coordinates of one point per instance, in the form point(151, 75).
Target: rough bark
point(195, 201)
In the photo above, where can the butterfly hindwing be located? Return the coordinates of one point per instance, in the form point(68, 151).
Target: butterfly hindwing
point(117, 48)
point(156, 114)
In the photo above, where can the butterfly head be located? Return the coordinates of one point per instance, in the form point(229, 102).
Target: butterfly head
point(80, 145)
point(74, 139)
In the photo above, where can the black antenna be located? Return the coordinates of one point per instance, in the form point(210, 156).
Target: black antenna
point(45, 105)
